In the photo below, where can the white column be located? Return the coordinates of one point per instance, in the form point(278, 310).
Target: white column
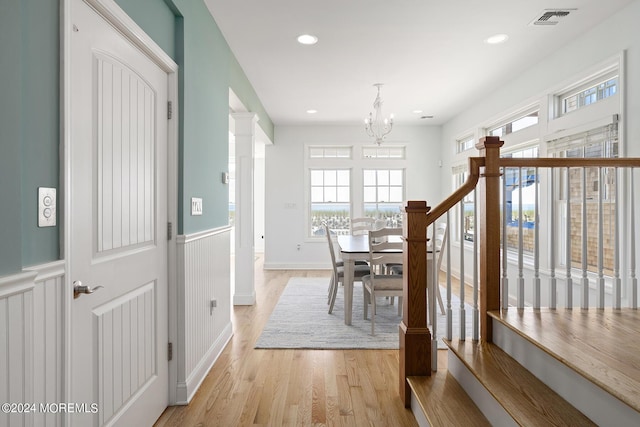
point(245, 293)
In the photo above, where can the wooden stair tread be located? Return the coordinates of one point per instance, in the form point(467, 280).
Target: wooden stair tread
point(444, 402)
point(529, 401)
point(600, 345)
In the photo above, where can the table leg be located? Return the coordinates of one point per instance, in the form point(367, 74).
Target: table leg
point(348, 289)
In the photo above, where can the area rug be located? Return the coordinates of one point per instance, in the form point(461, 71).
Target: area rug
point(301, 320)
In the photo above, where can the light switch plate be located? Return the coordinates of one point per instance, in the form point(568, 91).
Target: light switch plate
point(46, 207)
point(196, 206)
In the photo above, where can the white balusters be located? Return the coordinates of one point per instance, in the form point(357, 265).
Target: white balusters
point(505, 262)
point(536, 253)
point(432, 306)
point(463, 332)
point(632, 244)
point(553, 298)
point(585, 278)
point(449, 309)
point(600, 284)
point(617, 284)
point(567, 255)
point(520, 242)
point(476, 311)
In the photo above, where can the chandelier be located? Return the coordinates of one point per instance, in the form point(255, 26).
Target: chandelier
point(378, 128)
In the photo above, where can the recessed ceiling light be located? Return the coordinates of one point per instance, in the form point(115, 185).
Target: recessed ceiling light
point(497, 39)
point(417, 111)
point(307, 39)
point(312, 111)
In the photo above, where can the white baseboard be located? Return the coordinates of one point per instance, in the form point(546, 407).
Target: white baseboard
point(296, 266)
point(186, 390)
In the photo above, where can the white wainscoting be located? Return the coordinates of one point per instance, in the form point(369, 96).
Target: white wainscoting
point(31, 342)
point(204, 275)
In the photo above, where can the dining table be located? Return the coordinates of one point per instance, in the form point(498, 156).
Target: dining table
point(352, 249)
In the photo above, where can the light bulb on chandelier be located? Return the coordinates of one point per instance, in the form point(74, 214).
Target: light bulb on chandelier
point(378, 127)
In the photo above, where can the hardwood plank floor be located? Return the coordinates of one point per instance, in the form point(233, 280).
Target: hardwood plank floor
point(248, 387)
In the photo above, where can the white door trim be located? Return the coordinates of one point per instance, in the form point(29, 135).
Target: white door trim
point(113, 14)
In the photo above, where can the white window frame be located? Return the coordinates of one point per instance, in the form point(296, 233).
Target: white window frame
point(507, 124)
point(580, 87)
point(465, 144)
point(390, 152)
point(377, 186)
point(519, 152)
point(339, 200)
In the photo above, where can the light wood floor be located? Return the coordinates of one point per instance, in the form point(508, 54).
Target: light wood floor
point(249, 387)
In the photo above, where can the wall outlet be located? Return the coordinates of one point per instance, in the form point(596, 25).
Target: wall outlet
point(46, 207)
point(196, 206)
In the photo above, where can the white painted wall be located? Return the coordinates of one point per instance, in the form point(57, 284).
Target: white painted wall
point(285, 182)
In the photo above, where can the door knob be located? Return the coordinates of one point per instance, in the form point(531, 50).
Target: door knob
point(79, 288)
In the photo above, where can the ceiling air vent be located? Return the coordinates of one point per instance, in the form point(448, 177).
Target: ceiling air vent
point(551, 16)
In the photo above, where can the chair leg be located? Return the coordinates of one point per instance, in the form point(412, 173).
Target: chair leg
point(330, 291)
point(365, 296)
point(400, 306)
point(332, 297)
point(373, 313)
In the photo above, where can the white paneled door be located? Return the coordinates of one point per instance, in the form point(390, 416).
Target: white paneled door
point(118, 198)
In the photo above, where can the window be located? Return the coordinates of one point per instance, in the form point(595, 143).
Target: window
point(330, 152)
point(330, 200)
point(464, 144)
point(383, 152)
point(520, 187)
point(514, 125)
point(598, 183)
point(460, 174)
point(383, 195)
point(583, 96)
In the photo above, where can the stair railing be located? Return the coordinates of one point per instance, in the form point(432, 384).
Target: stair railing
point(491, 291)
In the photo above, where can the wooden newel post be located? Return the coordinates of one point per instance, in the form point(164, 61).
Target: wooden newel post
point(489, 206)
point(415, 337)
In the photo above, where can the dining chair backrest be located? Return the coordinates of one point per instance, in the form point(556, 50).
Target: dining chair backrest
point(380, 223)
point(385, 247)
point(360, 226)
point(334, 264)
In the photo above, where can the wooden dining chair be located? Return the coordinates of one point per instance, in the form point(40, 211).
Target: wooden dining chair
point(383, 250)
point(360, 226)
point(360, 269)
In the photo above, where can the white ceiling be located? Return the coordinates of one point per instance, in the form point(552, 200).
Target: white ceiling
point(430, 55)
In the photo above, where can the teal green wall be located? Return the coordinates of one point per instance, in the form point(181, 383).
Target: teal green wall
point(205, 114)
point(243, 90)
point(29, 129)
point(10, 136)
point(40, 121)
point(30, 116)
point(208, 69)
point(156, 19)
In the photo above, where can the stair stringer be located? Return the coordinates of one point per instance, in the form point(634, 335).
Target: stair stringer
point(594, 402)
